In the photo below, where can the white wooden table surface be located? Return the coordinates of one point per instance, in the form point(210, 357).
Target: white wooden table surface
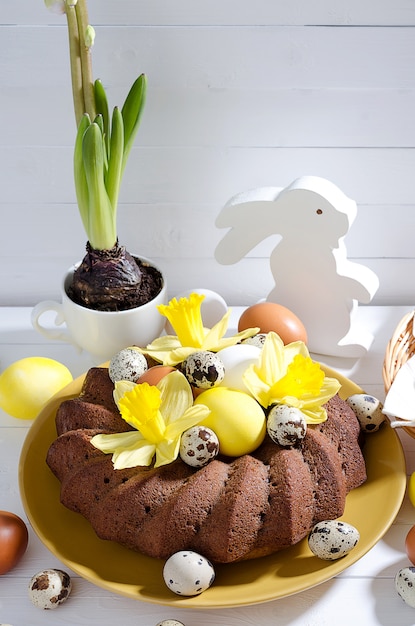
point(362, 595)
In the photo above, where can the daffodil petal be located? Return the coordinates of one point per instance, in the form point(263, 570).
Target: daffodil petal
point(213, 336)
point(271, 366)
point(291, 350)
point(193, 416)
point(178, 355)
point(120, 388)
point(163, 343)
point(142, 454)
point(176, 396)
point(109, 443)
point(316, 415)
point(225, 342)
point(167, 452)
point(330, 387)
point(161, 348)
point(256, 386)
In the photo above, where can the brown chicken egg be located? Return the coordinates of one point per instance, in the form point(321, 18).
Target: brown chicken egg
point(154, 374)
point(410, 545)
point(13, 540)
point(270, 316)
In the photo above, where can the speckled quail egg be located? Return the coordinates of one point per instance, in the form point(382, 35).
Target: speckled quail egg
point(405, 585)
point(198, 446)
point(203, 369)
point(188, 573)
point(332, 539)
point(368, 411)
point(286, 425)
point(49, 588)
point(168, 622)
point(257, 340)
point(127, 364)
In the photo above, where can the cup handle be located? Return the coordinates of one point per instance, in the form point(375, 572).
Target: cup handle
point(51, 333)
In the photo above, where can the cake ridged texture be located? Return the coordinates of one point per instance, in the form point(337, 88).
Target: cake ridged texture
point(229, 510)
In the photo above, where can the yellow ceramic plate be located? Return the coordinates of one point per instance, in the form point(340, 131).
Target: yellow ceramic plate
point(371, 509)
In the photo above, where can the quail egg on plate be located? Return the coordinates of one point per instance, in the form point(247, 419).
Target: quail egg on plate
point(368, 411)
point(332, 539)
point(188, 573)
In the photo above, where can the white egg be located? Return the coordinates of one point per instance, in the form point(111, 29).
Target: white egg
point(168, 622)
point(286, 425)
point(236, 360)
point(203, 369)
point(405, 585)
point(368, 411)
point(49, 588)
point(332, 539)
point(188, 573)
point(127, 364)
point(212, 309)
point(198, 446)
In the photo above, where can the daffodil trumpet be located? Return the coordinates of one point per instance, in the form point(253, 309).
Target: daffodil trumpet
point(286, 374)
point(191, 336)
point(160, 414)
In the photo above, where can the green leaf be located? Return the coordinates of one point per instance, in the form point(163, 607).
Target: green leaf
point(81, 185)
point(131, 113)
point(101, 224)
point(101, 105)
point(99, 120)
point(114, 173)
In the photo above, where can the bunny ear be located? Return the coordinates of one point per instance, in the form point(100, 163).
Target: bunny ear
point(249, 215)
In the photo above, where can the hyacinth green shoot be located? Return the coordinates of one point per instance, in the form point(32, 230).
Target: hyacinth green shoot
point(103, 141)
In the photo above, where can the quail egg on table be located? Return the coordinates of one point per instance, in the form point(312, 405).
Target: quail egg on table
point(168, 622)
point(405, 585)
point(127, 364)
point(204, 369)
point(332, 539)
point(49, 588)
point(286, 425)
point(368, 411)
point(188, 573)
point(198, 446)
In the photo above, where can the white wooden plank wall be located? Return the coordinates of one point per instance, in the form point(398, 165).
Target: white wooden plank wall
point(241, 94)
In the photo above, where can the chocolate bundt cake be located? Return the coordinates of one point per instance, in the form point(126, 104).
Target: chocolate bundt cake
point(228, 510)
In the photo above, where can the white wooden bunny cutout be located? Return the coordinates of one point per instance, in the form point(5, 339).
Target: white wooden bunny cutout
point(313, 276)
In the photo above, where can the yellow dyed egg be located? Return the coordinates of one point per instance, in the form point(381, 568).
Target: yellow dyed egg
point(26, 385)
point(411, 488)
point(236, 418)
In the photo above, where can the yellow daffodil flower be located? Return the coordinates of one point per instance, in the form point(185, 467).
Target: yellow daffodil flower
point(159, 413)
point(185, 317)
point(285, 374)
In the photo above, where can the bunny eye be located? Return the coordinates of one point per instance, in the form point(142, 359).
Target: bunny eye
point(319, 211)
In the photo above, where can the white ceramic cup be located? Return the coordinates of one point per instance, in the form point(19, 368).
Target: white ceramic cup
point(101, 333)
